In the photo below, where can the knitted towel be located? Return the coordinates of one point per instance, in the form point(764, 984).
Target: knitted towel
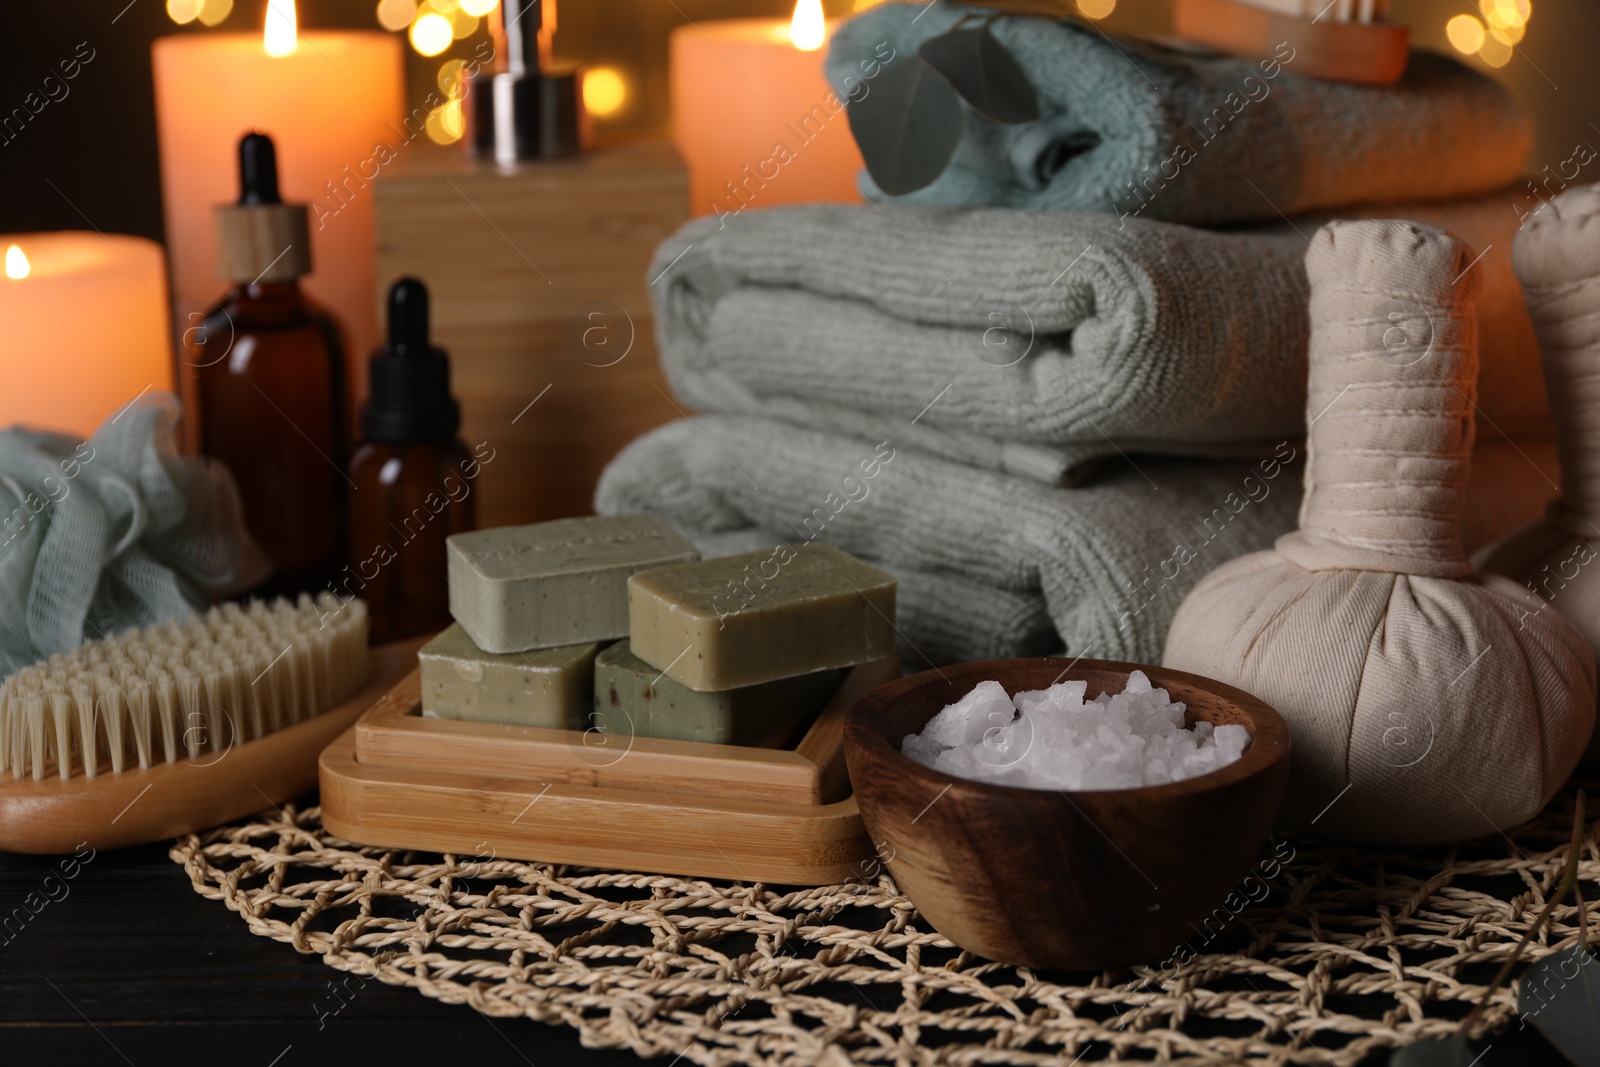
point(102, 535)
point(978, 553)
point(1027, 342)
point(1130, 127)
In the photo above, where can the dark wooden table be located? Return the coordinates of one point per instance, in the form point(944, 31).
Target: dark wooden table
point(130, 965)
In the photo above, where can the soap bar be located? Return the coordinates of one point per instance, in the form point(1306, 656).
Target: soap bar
point(633, 698)
point(756, 617)
point(545, 687)
point(555, 583)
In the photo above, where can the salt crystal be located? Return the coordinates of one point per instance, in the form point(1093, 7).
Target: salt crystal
point(1054, 739)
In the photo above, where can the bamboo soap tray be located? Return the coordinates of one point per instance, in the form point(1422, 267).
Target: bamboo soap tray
point(784, 815)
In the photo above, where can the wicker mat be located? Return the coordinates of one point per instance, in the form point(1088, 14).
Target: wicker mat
point(1327, 955)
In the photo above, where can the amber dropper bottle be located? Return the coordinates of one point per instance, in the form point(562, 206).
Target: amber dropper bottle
point(264, 385)
point(414, 478)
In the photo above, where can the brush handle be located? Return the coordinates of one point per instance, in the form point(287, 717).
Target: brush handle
point(170, 799)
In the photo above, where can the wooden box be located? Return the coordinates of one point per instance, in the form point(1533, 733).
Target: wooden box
point(537, 274)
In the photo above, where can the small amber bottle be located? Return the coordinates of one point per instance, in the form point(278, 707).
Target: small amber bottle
point(264, 385)
point(413, 478)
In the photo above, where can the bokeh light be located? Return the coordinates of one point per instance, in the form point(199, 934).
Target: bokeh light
point(605, 90)
point(1096, 9)
point(452, 78)
point(431, 33)
point(1501, 14)
point(214, 12)
point(446, 123)
point(1494, 51)
point(479, 7)
point(1465, 33)
point(396, 15)
point(462, 25)
point(1508, 34)
point(184, 11)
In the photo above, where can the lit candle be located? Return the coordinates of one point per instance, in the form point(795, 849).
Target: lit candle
point(332, 101)
point(86, 328)
point(754, 117)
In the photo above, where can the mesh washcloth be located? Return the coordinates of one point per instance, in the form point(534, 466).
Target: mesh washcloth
point(1324, 957)
point(114, 532)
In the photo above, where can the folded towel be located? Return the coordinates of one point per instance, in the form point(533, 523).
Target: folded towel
point(1131, 127)
point(977, 552)
point(1030, 342)
point(118, 531)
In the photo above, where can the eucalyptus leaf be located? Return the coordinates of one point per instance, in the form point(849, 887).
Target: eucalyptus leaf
point(1560, 995)
point(1434, 1052)
point(984, 72)
point(908, 127)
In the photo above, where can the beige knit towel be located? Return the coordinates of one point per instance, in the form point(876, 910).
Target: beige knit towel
point(1557, 259)
point(1424, 704)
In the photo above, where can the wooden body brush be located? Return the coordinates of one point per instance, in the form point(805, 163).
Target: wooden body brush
point(174, 727)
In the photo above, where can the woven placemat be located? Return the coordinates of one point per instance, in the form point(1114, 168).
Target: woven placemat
point(1324, 956)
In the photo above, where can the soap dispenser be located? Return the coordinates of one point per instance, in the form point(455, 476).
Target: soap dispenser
point(414, 479)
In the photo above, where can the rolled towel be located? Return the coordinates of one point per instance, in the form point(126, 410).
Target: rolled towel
point(976, 550)
point(1130, 127)
point(1032, 343)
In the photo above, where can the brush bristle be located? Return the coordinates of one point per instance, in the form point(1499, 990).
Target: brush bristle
point(177, 690)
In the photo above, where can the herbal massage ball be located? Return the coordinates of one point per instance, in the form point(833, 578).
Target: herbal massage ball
point(1424, 703)
point(1557, 258)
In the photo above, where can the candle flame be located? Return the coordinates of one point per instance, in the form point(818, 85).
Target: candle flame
point(16, 263)
point(279, 33)
point(808, 29)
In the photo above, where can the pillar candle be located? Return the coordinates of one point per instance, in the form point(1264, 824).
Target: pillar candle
point(333, 105)
point(85, 328)
point(754, 117)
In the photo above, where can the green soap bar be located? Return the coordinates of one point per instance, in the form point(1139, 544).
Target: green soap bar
point(554, 583)
point(756, 617)
point(633, 698)
point(547, 687)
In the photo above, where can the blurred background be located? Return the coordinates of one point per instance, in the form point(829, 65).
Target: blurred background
point(99, 147)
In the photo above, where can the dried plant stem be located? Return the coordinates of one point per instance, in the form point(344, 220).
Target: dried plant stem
point(1569, 883)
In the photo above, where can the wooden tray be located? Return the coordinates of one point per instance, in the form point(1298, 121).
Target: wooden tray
point(1368, 53)
point(399, 780)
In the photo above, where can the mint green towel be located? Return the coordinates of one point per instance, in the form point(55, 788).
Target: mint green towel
point(1131, 127)
point(118, 531)
point(989, 565)
point(1030, 342)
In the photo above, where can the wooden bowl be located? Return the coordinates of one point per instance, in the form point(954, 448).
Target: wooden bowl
point(1088, 880)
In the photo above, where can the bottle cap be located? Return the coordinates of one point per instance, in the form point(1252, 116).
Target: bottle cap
point(410, 401)
point(530, 106)
point(260, 238)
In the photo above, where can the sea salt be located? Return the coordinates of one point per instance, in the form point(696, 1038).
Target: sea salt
point(1054, 739)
